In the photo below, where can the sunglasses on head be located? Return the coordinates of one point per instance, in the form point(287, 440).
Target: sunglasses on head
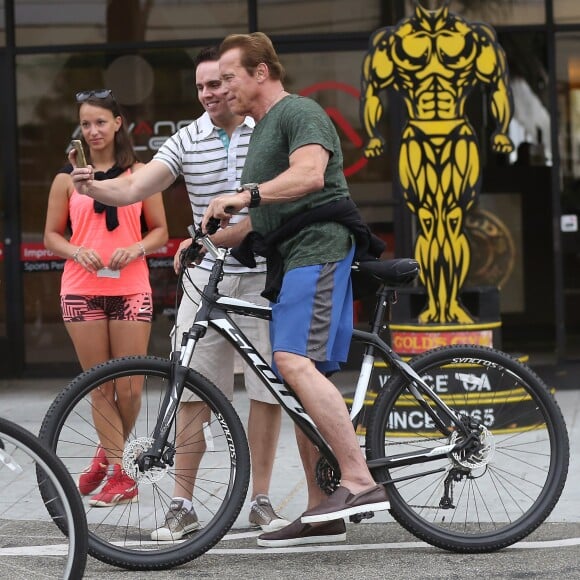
point(94, 94)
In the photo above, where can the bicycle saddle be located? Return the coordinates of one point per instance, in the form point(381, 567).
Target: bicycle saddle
point(397, 272)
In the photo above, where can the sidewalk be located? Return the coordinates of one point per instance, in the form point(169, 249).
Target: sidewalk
point(377, 548)
point(26, 402)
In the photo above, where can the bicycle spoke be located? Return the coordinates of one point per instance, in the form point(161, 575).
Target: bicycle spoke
point(37, 493)
point(212, 448)
point(494, 491)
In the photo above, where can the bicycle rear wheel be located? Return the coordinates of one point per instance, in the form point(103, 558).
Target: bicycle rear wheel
point(26, 465)
point(121, 535)
point(493, 494)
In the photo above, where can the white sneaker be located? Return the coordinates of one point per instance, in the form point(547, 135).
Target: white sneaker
point(262, 515)
point(178, 523)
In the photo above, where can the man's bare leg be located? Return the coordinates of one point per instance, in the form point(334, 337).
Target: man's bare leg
point(324, 403)
point(309, 456)
point(190, 444)
point(263, 432)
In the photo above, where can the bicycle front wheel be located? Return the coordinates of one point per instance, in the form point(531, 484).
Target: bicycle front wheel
point(497, 490)
point(214, 442)
point(26, 467)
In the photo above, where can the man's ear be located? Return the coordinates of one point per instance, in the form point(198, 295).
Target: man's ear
point(262, 72)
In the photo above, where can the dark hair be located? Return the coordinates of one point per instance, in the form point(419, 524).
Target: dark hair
point(206, 54)
point(255, 48)
point(124, 153)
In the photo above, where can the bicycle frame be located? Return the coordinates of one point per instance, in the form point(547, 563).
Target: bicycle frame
point(213, 311)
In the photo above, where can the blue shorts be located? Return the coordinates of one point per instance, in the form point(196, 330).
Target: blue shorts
point(314, 314)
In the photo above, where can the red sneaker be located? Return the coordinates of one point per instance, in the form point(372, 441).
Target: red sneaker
point(119, 489)
point(94, 474)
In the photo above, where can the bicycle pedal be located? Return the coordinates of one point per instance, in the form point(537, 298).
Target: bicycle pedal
point(357, 518)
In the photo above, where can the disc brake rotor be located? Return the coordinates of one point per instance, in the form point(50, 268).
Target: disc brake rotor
point(475, 458)
point(133, 449)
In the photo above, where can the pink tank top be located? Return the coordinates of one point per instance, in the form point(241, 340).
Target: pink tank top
point(90, 231)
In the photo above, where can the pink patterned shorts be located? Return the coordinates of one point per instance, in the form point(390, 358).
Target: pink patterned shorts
point(137, 307)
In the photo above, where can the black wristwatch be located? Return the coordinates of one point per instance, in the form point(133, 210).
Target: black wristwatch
point(254, 190)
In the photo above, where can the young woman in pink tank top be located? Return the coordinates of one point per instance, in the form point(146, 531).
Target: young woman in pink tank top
point(106, 297)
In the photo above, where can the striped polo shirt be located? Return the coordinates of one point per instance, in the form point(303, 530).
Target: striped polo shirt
point(209, 169)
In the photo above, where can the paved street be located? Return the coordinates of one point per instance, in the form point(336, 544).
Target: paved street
point(378, 549)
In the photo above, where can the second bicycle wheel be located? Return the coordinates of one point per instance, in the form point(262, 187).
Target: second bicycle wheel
point(122, 534)
point(500, 487)
point(35, 486)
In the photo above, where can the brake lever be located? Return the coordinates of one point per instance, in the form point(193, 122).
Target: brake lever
point(211, 227)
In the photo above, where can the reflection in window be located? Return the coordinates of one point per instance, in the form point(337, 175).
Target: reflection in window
point(50, 22)
point(2, 25)
point(157, 92)
point(568, 83)
point(2, 257)
point(333, 80)
point(497, 12)
point(567, 12)
point(530, 125)
point(308, 16)
point(156, 89)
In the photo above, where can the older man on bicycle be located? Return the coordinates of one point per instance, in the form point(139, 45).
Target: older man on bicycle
point(294, 164)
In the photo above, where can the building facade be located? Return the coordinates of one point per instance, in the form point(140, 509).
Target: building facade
point(524, 235)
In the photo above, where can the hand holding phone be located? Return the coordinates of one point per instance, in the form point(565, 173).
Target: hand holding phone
point(81, 160)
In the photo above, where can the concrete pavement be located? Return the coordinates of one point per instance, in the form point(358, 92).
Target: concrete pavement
point(380, 548)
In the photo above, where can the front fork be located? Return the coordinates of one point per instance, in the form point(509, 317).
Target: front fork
point(162, 452)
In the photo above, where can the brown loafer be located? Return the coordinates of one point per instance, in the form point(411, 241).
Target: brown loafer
point(297, 534)
point(342, 503)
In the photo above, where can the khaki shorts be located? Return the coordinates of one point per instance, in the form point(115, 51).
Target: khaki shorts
point(213, 356)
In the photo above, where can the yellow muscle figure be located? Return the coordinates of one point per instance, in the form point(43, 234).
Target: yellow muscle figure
point(434, 59)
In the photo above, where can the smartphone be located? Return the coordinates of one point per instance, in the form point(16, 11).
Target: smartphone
point(81, 159)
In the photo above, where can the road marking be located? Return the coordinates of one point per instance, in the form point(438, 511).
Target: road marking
point(62, 549)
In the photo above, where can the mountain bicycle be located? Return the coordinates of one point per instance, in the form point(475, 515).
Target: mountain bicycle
point(469, 442)
point(34, 482)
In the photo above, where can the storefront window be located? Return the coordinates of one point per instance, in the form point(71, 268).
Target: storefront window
point(496, 12)
point(333, 80)
point(567, 12)
point(517, 192)
point(50, 22)
point(157, 91)
point(2, 257)
point(2, 25)
point(309, 16)
point(568, 83)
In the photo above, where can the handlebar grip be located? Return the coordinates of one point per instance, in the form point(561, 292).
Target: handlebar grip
point(212, 225)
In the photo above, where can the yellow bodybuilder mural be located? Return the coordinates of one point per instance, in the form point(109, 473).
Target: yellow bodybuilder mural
point(433, 59)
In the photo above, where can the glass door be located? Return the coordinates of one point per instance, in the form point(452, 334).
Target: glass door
point(568, 83)
point(9, 359)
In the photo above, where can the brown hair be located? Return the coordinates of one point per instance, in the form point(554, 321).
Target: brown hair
point(206, 54)
point(124, 153)
point(255, 48)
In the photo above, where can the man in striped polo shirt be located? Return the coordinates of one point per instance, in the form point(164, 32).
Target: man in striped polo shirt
point(210, 154)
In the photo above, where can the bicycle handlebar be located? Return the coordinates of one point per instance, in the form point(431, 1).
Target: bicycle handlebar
point(196, 233)
point(191, 254)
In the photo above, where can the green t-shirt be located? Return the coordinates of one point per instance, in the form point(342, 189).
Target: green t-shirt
point(292, 123)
